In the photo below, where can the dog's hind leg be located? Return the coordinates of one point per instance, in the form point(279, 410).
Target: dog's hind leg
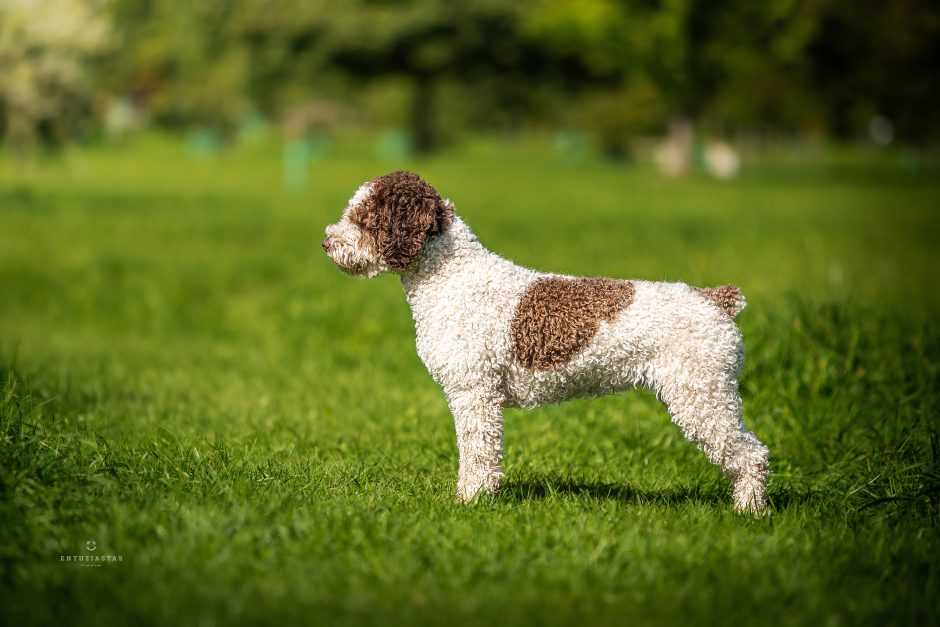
point(705, 403)
point(478, 419)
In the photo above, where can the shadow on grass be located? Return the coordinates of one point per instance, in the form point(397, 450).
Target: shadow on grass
point(553, 487)
point(779, 498)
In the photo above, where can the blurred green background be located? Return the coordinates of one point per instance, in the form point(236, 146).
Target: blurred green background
point(614, 72)
point(188, 383)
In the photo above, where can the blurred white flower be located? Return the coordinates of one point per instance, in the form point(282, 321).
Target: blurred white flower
point(45, 48)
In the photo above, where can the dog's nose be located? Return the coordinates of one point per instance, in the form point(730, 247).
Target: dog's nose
point(327, 244)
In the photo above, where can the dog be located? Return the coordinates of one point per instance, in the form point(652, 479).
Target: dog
point(494, 334)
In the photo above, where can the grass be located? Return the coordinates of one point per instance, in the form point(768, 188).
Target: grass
point(188, 382)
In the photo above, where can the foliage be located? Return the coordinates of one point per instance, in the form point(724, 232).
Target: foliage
point(735, 66)
point(46, 49)
point(182, 59)
point(481, 46)
point(191, 384)
point(780, 66)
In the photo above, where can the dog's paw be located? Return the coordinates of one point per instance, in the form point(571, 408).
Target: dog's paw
point(749, 497)
point(469, 489)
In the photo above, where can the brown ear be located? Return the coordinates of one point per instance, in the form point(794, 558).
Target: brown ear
point(399, 214)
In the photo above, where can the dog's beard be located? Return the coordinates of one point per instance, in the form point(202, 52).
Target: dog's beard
point(353, 264)
point(356, 271)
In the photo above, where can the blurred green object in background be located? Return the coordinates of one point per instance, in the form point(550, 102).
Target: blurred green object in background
point(252, 127)
point(573, 146)
point(203, 142)
point(296, 162)
point(393, 145)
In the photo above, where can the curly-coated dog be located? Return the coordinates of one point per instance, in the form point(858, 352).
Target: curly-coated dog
point(493, 334)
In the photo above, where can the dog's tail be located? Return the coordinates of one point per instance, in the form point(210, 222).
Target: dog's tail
point(727, 298)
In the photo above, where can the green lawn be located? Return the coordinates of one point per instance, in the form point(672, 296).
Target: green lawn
point(186, 380)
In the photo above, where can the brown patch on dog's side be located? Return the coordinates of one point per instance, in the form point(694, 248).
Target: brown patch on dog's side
point(726, 297)
point(398, 215)
point(558, 317)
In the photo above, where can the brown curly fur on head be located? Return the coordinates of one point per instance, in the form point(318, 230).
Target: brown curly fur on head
point(399, 214)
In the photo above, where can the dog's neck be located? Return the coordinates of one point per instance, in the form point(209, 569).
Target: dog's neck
point(443, 254)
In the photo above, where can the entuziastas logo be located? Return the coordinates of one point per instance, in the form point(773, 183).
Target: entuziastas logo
point(90, 557)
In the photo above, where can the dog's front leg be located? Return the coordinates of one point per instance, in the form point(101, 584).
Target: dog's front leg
point(478, 418)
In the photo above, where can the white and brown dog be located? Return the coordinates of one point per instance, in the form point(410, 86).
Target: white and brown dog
point(493, 334)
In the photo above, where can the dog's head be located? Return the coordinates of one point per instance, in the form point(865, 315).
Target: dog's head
point(386, 224)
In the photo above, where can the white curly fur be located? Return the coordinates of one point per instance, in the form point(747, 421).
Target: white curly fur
point(669, 339)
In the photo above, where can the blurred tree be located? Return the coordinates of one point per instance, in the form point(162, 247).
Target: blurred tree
point(619, 45)
point(615, 67)
point(807, 65)
point(46, 50)
point(746, 65)
point(184, 59)
point(778, 65)
point(483, 45)
point(871, 58)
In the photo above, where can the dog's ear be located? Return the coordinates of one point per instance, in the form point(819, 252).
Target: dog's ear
point(401, 212)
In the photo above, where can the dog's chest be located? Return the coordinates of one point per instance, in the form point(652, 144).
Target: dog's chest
point(462, 322)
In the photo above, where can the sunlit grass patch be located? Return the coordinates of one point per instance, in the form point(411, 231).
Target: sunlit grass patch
point(189, 383)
